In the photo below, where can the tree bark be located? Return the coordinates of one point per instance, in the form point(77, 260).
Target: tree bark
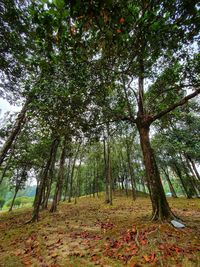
point(72, 174)
point(14, 132)
point(179, 174)
point(48, 183)
point(105, 171)
point(38, 197)
point(169, 182)
point(13, 200)
point(60, 178)
point(131, 172)
point(194, 168)
point(160, 206)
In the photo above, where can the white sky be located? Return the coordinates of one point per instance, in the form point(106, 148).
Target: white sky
point(5, 107)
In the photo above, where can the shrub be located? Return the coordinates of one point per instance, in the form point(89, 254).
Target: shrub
point(2, 202)
point(20, 201)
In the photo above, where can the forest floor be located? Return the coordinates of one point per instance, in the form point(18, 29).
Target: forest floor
point(92, 233)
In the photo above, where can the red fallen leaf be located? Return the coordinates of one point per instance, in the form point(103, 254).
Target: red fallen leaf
point(133, 246)
point(150, 258)
point(27, 262)
point(153, 257)
point(18, 252)
point(161, 247)
point(134, 229)
point(147, 258)
point(134, 252)
point(122, 20)
point(118, 30)
point(94, 258)
point(178, 250)
point(143, 242)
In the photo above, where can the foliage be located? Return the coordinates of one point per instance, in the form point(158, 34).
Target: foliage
point(2, 201)
point(20, 201)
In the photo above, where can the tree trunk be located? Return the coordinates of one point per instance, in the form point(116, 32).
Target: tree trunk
point(15, 132)
point(67, 179)
point(193, 176)
point(105, 171)
point(131, 172)
point(13, 200)
point(194, 168)
point(38, 197)
point(60, 178)
point(49, 179)
point(109, 169)
point(72, 174)
point(160, 206)
point(179, 174)
point(192, 185)
point(169, 183)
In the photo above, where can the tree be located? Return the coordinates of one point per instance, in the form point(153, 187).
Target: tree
point(136, 55)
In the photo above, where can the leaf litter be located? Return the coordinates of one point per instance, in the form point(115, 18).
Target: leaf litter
point(92, 233)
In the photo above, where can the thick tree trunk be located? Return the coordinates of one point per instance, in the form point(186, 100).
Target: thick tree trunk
point(15, 132)
point(160, 206)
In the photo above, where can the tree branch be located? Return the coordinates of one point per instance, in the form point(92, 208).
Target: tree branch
point(175, 105)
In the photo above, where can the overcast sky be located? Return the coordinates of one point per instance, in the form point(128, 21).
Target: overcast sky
point(5, 106)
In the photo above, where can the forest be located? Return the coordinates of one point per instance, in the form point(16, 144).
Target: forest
point(109, 124)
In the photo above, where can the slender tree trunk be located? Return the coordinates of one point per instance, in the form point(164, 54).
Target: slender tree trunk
point(169, 182)
point(7, 164)
point(72, 174)
point(67, 179)
point(5, 170)
point(106, 171)
point(192, 185)
point(194, 168)
point(13, 200)
point(131, 172)
point(49, 179)
point(14, 132)
point(109, 168)
point(193, 176)
point(160, 206)
point(77, 181)
point(179, 174)
point(38, 197)
point(97, 178)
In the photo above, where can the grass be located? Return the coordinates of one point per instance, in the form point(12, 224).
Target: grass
point(92, 233)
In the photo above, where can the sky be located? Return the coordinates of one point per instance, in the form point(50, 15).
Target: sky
point(5, 107)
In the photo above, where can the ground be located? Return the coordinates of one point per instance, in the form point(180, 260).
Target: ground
point(92, 233)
